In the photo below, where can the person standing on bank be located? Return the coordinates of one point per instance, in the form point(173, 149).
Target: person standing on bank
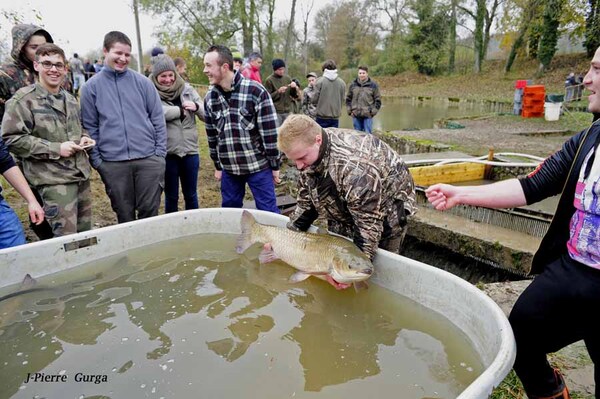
point(42, 127)
point(330, 92)
point(363, 100)
point(558, 307)
point(241, 125)
point(181, 104)
point(356, 181)
point(121, 110)
point(18, 73)
point(308, 108)
point(282, 89)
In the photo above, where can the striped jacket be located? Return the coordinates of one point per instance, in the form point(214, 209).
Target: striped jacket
point(241, 126)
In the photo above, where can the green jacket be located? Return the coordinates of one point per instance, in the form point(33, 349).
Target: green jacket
point(282, 101)
point(330, 92)
point(35, 125)
point(363, 99)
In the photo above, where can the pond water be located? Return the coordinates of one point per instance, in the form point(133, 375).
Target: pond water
point(404, 113)
point(191, 318)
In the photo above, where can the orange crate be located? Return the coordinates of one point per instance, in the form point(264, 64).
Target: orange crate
point(532, 114)
point(534, 89)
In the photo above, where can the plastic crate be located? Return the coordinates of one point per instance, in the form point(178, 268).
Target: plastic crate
point(532, 114)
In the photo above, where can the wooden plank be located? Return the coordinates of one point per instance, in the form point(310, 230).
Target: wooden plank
point(452, 173)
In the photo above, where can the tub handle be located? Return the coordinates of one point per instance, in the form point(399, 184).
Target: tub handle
point(85, 242)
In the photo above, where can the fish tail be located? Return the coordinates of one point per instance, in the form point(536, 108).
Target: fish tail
point(245, 240)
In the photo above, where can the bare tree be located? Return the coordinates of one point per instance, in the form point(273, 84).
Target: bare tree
point(289, 33)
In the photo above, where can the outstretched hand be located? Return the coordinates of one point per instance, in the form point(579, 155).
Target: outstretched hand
point(442, 196)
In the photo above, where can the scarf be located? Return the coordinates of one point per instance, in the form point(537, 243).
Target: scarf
point(170, 93)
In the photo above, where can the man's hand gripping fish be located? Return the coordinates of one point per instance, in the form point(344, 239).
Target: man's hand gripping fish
point(325, 256)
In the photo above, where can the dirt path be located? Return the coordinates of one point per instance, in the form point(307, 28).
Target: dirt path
point(503, 133)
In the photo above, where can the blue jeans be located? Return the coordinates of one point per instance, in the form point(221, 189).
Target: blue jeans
point(362, 124)
point(261, 184)
point(11, 231)
point(328, 122)
point(184, 169)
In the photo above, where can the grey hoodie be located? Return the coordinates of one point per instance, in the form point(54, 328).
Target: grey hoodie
point(330, 92)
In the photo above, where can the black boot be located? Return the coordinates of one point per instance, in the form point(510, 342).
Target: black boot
point(560, 393)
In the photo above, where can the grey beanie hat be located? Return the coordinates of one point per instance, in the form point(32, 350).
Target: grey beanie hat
point(162, 62)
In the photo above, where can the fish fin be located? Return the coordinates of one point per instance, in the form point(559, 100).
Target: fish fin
point(267, 255)
point(322, 231)
point(298, 276)
point(244, 240)
point(28, 281)
point(361, 285)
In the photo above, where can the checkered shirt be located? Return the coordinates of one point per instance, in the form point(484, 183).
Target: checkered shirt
point(242, 128)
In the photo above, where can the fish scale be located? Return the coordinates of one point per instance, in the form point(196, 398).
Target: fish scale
point(311, 254)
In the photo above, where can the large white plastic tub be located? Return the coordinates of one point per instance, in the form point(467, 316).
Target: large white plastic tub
point(467, 307)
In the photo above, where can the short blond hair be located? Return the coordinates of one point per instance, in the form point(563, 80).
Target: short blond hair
point(297, 128)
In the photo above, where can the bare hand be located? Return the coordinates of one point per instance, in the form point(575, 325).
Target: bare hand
point(87, 142)
point(282, 89)
point(276, 178)
point(36, 212)
point(293, 85)
point(68, 148)
point(338, 286)
point(218, 174)
point(442, 196)
point(190, 106)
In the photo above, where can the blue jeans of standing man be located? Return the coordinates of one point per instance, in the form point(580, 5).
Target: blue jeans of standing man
point(184, 169)
point(233, 188)
point(11, 231)
point(362, 124)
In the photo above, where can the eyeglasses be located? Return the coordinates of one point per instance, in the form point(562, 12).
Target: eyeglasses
point(48, 65)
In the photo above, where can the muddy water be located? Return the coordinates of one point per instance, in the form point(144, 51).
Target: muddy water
point(401, 113)
point(190, 318)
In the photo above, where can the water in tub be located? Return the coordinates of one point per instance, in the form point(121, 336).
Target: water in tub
point(191, 318)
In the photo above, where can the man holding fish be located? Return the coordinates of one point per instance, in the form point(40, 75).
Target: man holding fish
point(356, 181)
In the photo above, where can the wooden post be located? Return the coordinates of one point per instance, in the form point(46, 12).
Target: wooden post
point(488, 168)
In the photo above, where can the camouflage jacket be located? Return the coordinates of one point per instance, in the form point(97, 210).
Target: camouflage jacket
point(18, 73)
point(360, 185)
point(308, 108)
point(35, 125)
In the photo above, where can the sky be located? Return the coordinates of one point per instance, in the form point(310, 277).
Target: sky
point(79, 26)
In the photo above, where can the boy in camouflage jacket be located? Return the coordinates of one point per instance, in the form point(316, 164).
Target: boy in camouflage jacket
point(356, 181)
point(42, 127)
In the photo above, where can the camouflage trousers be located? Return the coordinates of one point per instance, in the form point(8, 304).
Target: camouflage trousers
point(67, 207)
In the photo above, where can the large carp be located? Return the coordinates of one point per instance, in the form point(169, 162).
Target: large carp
point(319, 255)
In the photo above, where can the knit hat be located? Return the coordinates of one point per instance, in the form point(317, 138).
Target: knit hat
point(156, 51)
point(311, 74)
point(278, 63)
point(162, 62)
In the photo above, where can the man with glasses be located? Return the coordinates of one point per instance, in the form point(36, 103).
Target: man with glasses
point(19, 73)
point(42, 127)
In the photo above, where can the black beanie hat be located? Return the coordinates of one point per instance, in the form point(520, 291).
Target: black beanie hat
point(278, 63)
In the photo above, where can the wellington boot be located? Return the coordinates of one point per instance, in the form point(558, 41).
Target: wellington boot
point(561, 392)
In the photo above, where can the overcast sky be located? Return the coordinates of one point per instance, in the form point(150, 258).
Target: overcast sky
point(79, 26)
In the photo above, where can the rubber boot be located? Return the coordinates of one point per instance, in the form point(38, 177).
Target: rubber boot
point(561, 392)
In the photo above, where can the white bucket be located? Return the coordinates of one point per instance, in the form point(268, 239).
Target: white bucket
point(552, 111)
